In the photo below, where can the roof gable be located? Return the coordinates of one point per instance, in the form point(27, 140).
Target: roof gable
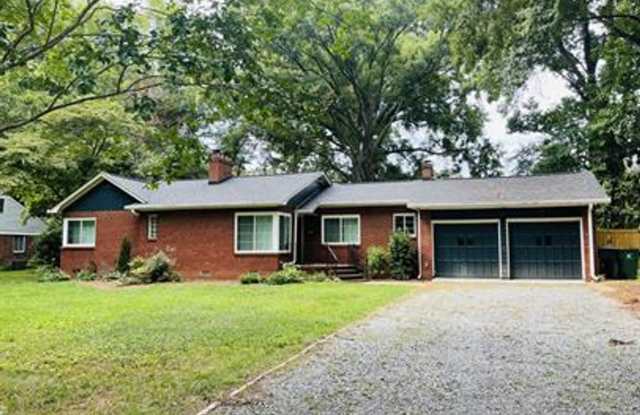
point(90, 185)
point(11, 219)
point(235, 192)
point(104, 196)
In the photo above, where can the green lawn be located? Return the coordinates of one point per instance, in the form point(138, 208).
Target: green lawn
point(73, 348)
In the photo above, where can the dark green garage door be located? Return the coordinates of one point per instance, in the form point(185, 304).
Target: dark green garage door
point(466, 250)
point(545, 250)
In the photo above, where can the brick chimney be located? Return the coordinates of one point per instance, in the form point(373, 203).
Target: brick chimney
point(220, 167)
point(426, 170)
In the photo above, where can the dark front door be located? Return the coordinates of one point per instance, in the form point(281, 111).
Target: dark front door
point(545, 250)
point(466, 250)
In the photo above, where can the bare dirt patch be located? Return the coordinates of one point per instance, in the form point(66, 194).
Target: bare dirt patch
point(626, 293)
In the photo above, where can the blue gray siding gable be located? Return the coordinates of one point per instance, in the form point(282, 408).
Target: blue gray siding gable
point(104, 196)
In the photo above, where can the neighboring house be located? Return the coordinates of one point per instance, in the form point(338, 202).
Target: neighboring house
point(16, 236)
point(515, 227)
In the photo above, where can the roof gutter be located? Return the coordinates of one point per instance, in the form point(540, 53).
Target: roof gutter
point(544, 203)
point(373, 203)
point(461, 206)
point(19, 233)
point(161, 208)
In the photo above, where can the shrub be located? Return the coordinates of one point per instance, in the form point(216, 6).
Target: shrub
point(320, 277)
point(126, 279)
point(124, 257)
point(46, 246)
point(251, 278)
point(402, 256)
point(377, 262)
point(50, 274)
point(289, 274)
point(113, 276)
point(156, 268)
point(86, 275)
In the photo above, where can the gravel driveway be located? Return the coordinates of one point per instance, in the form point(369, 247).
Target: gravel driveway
point(468, 348)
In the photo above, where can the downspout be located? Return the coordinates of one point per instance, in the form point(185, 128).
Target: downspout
point(295, 240)
point(592, 259)
point(419, 246)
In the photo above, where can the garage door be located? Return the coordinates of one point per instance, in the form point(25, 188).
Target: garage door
point(466, 250)
point(545, 250)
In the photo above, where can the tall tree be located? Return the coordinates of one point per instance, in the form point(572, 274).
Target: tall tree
point(587, 43)
point(332, 84)
point(42, 165)
point(82, 82)
point(58, 53)
point(55, 54)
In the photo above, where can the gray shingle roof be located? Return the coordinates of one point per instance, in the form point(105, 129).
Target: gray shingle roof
point(11, 219)
point(275, 190)
point(544, 190)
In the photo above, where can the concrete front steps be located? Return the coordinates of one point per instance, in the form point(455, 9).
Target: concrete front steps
point(342, 271)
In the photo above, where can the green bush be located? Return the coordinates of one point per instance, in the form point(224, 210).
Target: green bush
point(113, 276)
point(156, 268)
point(48, 273)
point(320, 277)
point(124, 257)
point(86, 275)
point(403, 257)
point(377, 262)
point(251, 278)
point(46, 246)
point(289, 274)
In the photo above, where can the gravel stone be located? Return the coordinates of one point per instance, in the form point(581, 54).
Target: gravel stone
point(468, 348)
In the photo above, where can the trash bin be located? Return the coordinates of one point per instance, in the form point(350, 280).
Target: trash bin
point(609, 263)
point(628, 261)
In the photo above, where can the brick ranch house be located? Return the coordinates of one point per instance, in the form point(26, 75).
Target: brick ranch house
point(536, 227)
point(16, 236)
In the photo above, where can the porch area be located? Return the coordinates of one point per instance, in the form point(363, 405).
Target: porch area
point(345, 260)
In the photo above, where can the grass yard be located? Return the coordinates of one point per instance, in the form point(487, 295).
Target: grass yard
point(73, 348)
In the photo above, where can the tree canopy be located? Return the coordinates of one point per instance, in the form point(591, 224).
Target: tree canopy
point(337, 85)
point(592, 46)
point(361, 89)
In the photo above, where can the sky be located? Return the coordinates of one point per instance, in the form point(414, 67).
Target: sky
point(546, 89)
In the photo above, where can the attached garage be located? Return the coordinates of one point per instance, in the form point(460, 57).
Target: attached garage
point(545, 249)
point(467, 250)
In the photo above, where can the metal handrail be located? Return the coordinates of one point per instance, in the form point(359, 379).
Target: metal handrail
point(333, 254)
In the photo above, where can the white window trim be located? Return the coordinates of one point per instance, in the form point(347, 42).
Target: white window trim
point(24, 245)
point(149, 236)
point(405, 215)
point(325, 217)
point(65, 231)
point(275, 233)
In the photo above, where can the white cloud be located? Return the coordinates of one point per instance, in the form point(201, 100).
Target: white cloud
point(545, 88)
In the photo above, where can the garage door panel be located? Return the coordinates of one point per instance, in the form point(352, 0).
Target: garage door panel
point(545, 250)
point(466, 250)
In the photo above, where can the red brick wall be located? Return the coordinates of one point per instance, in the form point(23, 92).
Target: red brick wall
point(376, 225)
point(7, 257)
point(201, 242)
point(111, 227)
